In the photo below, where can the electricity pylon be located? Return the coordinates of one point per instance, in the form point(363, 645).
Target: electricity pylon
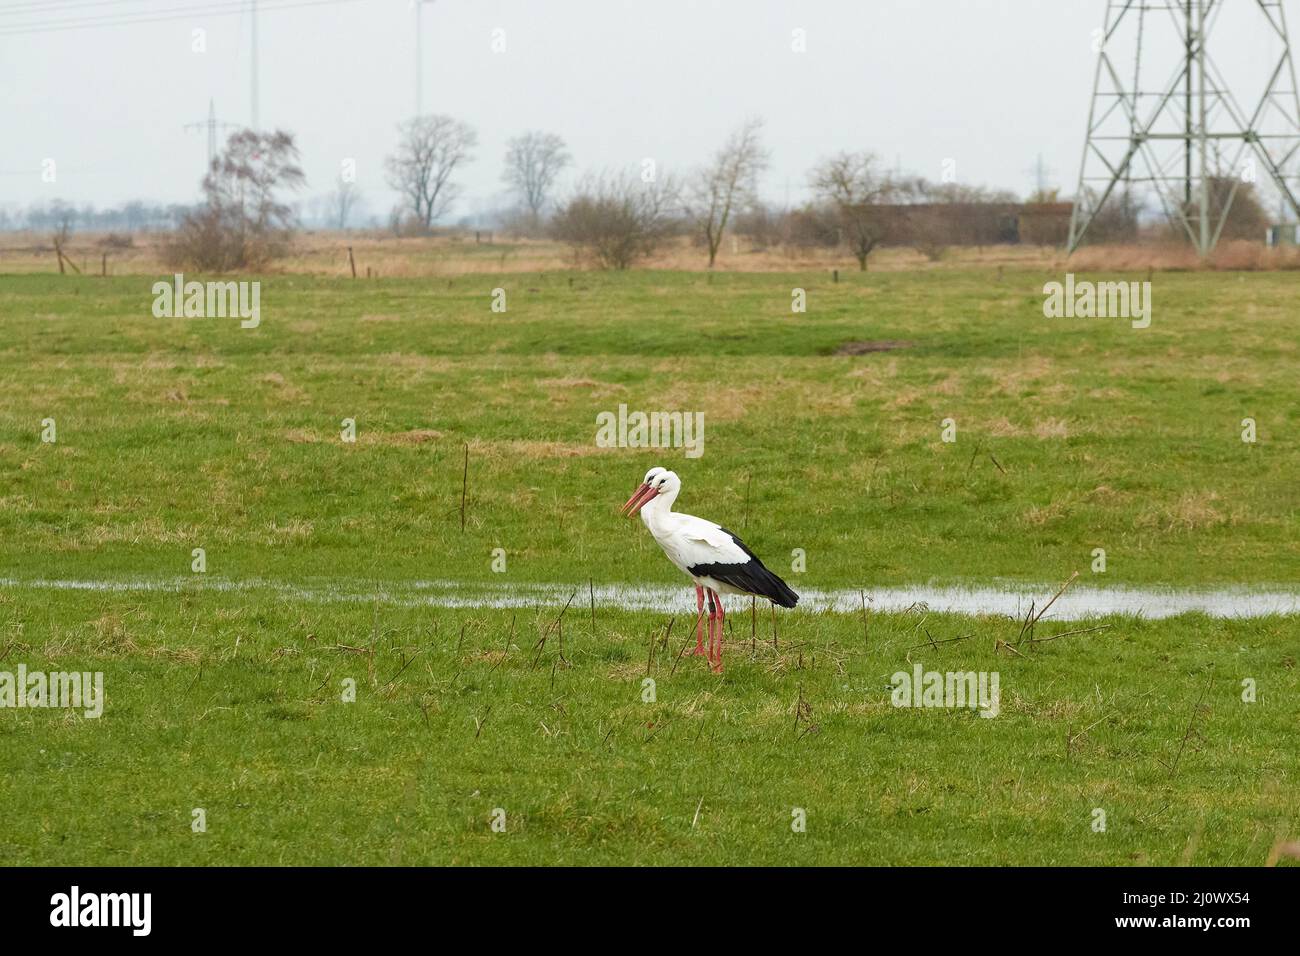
point(211, 124)
point(1176, 134)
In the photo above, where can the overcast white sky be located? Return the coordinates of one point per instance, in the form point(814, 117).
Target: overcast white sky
point(989, 83)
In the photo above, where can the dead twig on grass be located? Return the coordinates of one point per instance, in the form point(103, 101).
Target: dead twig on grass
point(1072, 739)
point(464, 487)
point(1031, 618)
point(937, 644)
point(540, 646)
point(479, 722)
point(677, 660)
point(1077, 630)
point(803, 714)
point(1001, 645)
point(1191, 728)
point(399, 672)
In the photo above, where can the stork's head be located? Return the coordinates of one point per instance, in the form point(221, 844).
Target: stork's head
point(658, 481)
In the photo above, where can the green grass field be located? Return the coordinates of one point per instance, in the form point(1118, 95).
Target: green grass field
point(224, 688)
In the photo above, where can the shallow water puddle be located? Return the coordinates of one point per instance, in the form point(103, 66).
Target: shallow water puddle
point(1010, 599)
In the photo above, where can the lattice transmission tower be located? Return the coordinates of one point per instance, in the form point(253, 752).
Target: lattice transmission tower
point(1189, 139)
point(212, 125)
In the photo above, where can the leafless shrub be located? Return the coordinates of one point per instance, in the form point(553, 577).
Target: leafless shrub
point(614, 220)
point(241, 223)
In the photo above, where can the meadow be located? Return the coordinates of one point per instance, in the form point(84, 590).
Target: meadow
point(475, 439)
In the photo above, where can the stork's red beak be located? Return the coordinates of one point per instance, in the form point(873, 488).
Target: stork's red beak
point(638, 500)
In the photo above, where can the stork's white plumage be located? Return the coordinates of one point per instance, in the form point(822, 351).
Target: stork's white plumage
point(714, 558)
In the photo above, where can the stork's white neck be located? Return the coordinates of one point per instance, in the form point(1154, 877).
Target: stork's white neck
point(655, 514)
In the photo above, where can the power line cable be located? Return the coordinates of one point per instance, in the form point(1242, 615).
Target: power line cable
point(70, 15)
point(58, 6)
point(130, 19)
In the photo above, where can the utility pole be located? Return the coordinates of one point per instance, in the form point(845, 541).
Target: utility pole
point(419, 58)
point(1166, 132)
point(253, 70)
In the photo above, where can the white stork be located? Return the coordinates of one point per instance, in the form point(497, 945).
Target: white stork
point(714, 558)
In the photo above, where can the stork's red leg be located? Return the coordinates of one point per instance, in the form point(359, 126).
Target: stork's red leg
point(713, 616)
point(699, 620)
point(721, 617)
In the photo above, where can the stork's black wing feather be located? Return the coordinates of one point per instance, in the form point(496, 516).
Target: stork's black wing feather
point(752, 577)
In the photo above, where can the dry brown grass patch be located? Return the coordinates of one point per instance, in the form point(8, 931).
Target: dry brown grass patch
point(1192, 511)
point(416, 436)
point(296, 529)
point(1051, 428)
point(1039, 516)
point(547, 449)
point(1002, 427)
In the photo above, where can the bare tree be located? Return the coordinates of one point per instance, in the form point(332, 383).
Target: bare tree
point(429, 150)
point(855, 186)
point(533, 162)
point(242, 221)
point(246, 176)
point(614, 220)
point(728, 184)
point(342, 202)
